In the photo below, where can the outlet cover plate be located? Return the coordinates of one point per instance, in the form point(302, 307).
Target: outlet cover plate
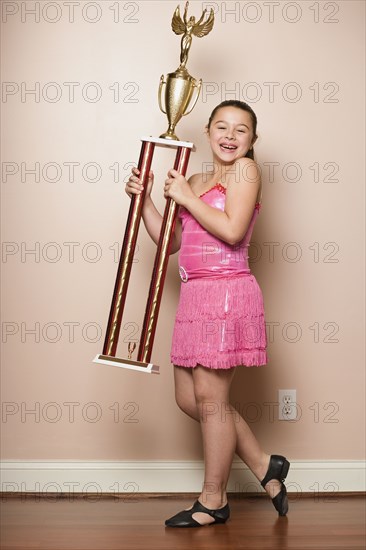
point(287, 409)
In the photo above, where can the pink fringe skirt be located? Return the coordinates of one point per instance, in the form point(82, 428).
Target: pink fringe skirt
point(220, 323)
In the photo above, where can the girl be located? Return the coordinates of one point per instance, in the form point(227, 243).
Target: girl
point(219, 323)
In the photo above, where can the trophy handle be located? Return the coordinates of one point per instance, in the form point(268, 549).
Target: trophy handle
point(196, 98)
point(162, 83)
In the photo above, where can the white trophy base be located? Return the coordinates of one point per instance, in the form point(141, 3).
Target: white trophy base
point(169, 142)
point(150, 368)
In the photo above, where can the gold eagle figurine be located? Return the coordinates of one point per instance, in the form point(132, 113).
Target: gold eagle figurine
point(187, 27)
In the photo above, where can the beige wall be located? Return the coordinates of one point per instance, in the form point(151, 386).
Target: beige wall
point(314, 306)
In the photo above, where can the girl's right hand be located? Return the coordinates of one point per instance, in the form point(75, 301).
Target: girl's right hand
point(134, 185)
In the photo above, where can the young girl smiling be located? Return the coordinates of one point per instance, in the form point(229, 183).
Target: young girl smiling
point(220, 323)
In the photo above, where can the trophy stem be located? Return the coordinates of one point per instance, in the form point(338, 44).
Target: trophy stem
point(160, 265)
point(128, 249)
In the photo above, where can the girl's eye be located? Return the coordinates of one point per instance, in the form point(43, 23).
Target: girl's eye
point(241, 131)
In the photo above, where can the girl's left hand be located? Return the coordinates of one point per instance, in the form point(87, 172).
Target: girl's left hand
point(177, 188)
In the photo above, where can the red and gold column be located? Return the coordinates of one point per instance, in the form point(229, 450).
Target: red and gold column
point(143, 362)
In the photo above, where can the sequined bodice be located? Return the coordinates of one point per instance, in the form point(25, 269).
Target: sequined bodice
point(204, 255)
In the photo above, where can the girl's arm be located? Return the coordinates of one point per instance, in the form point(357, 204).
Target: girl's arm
point(153, 221)
point(152, 218)
point(231, 224)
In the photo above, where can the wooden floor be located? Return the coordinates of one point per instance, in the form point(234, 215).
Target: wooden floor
point(114, 523)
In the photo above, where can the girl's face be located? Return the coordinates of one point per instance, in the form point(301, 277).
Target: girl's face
point(230, 134)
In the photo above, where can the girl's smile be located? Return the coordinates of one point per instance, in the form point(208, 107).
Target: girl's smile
point(228, 147)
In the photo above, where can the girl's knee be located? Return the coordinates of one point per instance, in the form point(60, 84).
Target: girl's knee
point(211, 385)
point(186, 404)
point(180, 400)
point(203, 393)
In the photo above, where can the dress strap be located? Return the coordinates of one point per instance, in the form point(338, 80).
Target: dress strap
point(220, 187)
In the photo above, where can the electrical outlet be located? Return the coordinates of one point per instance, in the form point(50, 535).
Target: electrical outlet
point(287, 409)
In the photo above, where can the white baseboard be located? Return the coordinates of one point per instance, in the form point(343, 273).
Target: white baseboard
point(328, 476)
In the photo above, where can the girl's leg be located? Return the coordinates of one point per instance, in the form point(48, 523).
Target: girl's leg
point(211, 389)
point(247, 447)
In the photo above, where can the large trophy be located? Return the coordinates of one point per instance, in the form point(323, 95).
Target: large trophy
point(175, 99)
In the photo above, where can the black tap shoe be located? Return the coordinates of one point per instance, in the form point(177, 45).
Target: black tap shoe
point(185, 519)
point(278, 469)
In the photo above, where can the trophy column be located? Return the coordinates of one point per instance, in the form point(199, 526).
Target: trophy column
point(161, 264)
point(128, 250)
point(108, 356)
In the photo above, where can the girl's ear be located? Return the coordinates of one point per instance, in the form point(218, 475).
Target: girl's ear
point(207, 131)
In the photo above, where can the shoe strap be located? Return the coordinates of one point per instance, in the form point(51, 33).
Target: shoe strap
point(275, 466)
point(198, 507)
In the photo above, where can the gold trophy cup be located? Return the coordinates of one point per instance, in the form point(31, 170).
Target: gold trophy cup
point(178, 94)
point(180, 85)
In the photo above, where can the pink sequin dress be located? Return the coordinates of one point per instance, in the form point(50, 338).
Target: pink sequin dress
point(220, 320)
